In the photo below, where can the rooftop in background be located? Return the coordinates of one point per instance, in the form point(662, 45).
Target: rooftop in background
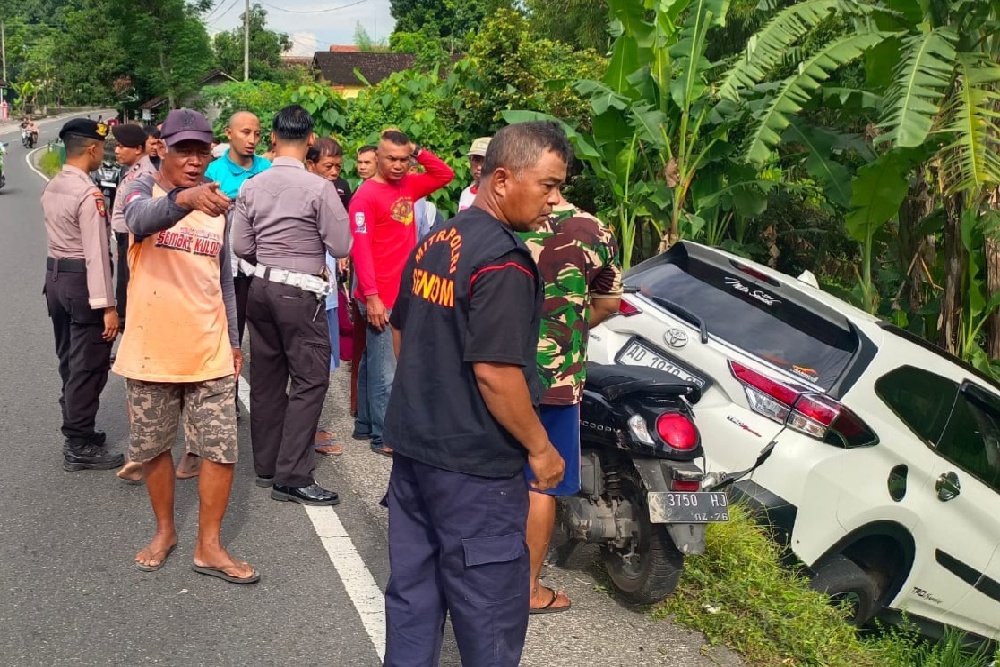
point(337, 67)
point(344, 48)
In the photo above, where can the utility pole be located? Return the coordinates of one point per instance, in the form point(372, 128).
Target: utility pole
point(3, 49)
point(246, 43)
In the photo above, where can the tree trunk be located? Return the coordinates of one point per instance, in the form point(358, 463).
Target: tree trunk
point(915, 251)
point(955, 260)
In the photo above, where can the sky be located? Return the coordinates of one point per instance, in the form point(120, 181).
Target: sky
point(313, 25)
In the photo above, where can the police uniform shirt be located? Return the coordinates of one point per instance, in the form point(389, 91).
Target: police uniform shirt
point(470, 293)
point(76, 227)
point(289, 218)
point(125, 188)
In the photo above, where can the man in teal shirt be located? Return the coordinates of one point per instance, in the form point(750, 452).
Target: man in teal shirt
point(230, 171)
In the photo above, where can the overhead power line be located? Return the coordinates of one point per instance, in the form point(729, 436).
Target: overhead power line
point(314, 11)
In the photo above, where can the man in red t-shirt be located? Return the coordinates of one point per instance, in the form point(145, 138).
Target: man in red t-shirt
point(382, 223)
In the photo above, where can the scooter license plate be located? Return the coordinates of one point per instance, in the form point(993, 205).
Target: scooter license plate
point(108, 184)
point(688, 507)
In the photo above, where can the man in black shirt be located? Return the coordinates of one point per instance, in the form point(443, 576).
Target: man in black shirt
point(462, 415)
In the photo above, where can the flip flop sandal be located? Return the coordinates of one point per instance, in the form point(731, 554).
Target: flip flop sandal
point(221, 574)
point(323, 437)
point(163, 561)
point(384, 451)
point(549, 609)
point(329, 449)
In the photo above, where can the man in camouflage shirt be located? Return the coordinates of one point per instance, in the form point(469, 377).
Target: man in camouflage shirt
point(577, 258)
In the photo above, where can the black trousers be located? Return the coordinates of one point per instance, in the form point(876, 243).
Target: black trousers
point(289, 376)
point(84, 356)
point(121, 276)
point(242, 285)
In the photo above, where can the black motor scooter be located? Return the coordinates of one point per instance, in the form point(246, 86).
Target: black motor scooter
point(107, 177)
point(641, 496)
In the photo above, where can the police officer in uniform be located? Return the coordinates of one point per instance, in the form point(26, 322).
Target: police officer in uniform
point(285, 221)
point(80, 293)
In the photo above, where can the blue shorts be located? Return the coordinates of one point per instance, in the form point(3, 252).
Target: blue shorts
point(562, 423)
point(334, 322)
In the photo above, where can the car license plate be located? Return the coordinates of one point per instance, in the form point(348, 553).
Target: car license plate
point(688, 507)
point(637, 354)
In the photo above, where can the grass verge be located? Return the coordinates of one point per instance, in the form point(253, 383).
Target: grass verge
point(48, 163)
point(738, 595)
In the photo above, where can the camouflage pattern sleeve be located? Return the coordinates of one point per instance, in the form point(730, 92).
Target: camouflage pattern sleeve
point(607, 283)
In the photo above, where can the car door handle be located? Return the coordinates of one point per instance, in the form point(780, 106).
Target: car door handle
point(947, 486)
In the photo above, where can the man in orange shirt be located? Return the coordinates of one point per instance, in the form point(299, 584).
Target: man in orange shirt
point(181, 355)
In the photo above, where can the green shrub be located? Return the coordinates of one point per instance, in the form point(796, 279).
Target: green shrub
point(739, 595)
point(49, 163)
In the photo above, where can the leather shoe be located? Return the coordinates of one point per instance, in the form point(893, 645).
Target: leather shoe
point(314, 494)
point(90, 457)
point(264, 482)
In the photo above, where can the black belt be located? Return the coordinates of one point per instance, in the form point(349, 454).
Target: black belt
point(66, 265)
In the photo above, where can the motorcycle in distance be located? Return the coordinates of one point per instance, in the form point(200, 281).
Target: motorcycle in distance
point(3, 176)
point(28, 138)
point(642, 498)
point(107, 177)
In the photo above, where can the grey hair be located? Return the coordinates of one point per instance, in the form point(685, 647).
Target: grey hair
point(518, 146)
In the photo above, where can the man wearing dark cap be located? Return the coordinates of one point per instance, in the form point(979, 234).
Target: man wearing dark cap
point(286, 220)
point(80, 294)
point(180, 355)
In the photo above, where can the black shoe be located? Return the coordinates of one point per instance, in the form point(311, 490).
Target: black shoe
point(264, 482)
point(90, 457)
point(99, 438)
point(314, 494)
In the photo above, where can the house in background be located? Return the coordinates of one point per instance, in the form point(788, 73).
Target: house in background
point(337, 66)
point(157, 107)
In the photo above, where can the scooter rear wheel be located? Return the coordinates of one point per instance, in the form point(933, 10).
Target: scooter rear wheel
point(650, 568)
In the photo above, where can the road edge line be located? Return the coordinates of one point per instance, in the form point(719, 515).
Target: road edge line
point(27, 158)
point(355, 576)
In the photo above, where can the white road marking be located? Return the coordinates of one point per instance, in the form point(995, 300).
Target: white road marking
point(27, 158)
point(357, 579)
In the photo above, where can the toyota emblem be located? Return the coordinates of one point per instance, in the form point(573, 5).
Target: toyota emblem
point(676, 338)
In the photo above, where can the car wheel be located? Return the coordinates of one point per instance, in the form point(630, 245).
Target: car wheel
point(648, 568)
point(847, 583)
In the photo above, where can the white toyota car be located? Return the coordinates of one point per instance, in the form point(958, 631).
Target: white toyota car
point(885, 476)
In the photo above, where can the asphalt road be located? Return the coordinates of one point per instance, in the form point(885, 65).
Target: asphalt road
point(70, 595)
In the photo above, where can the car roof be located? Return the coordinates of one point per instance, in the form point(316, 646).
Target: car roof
point(841, 307)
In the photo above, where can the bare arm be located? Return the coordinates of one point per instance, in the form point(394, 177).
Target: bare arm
point(603, 308)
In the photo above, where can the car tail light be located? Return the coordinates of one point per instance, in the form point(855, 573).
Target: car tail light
point(685, 485)
point(627, 309)
point(808, 412)
point(677, 431)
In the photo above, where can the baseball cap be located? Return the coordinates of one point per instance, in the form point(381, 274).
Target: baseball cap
point(479, 146)
point(84, 127)
point(129, 136)
point(185, 125)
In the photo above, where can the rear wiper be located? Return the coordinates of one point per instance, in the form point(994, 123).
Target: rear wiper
point(684, 313)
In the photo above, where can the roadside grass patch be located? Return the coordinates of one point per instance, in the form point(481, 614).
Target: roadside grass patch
point(49, 164)
point(738, 595)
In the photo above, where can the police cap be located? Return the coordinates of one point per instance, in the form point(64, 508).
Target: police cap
point(129, 136)
point(86, 128)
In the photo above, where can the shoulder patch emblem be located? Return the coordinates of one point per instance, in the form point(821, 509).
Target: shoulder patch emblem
point(360, 226)
point(102, 207)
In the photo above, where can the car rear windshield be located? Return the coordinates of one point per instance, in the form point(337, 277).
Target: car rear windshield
point(758, 319)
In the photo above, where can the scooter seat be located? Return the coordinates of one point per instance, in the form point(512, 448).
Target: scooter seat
point(614, 381)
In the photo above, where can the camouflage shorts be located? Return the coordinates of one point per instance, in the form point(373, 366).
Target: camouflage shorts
point(209, 410)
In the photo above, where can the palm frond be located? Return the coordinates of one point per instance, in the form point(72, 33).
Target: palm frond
point(920, 83)
point(769, 47)
point(972, 160)
point(689, 51)
point(794, 91)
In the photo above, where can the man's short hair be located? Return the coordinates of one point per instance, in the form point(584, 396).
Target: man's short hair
point(324, 147)
point(293, 123)
point(396, 138)
point(366, 149)
point(518, 146)
point(76, 144)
